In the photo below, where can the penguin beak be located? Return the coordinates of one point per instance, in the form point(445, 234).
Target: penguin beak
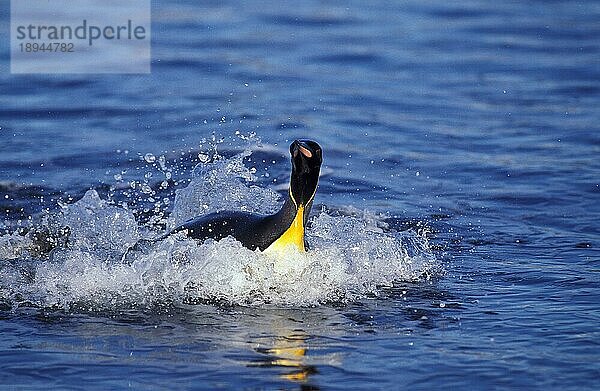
point(300, 147)
point(305, 151)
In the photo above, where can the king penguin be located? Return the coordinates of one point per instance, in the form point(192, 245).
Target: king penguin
point(269, 233)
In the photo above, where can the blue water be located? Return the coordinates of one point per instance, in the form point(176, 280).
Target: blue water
point(472, 124)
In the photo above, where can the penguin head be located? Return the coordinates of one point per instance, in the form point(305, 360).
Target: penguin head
point(307, 157)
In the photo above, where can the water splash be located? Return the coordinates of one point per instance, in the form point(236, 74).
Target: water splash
point(220, 185)
point(350, 257)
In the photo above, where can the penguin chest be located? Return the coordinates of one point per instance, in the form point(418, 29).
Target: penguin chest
point(293, 236)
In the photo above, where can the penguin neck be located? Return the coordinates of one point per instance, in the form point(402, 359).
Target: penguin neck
point(291, 208)
point(292, 217)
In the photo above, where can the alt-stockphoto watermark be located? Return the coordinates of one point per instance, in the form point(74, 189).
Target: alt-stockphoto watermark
point(80, 36)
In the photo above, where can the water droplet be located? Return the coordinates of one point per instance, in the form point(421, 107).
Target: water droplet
point(118, 177)
point(149, 158)
point(162, 161)
point(203, 157)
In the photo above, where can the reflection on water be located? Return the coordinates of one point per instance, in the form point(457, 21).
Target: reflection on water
point(289, 353)
point(289, 342)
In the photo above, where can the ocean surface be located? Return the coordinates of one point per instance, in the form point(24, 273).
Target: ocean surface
point(455, 237)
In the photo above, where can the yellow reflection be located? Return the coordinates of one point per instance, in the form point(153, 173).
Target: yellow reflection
point(289, 351)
